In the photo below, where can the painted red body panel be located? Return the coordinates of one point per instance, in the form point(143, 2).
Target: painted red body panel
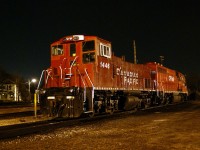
point(166, 79)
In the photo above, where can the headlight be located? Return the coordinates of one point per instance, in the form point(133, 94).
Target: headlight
point(69, 97)
point(51, 97)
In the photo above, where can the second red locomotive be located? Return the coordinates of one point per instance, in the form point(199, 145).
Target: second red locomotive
point(86, 78)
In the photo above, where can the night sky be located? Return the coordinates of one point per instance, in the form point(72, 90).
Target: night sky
point(170, 28)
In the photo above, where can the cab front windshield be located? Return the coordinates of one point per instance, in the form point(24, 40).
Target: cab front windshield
point(57, 50)
point(88, 48)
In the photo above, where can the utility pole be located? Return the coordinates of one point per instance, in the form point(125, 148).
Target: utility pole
point(29, 86)
point(134, 48)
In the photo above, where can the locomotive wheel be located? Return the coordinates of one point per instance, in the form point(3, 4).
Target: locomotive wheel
point(135, 109)
point(111, 111)
point(146, 106)
point(91, 115)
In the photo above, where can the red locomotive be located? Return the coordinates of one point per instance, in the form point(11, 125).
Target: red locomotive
point(86, 78)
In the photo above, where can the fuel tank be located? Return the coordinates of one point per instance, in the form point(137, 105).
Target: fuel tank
point(129, 102)
point(177, 97)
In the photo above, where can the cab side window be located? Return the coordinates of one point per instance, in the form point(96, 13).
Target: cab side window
point(105, 50)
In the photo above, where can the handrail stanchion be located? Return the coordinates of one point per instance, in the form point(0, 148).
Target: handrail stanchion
point(35, 104)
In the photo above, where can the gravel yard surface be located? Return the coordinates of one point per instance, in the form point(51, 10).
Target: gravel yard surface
point(176, 128)
point(20, 120)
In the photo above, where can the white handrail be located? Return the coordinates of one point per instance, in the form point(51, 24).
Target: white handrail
point(73, 61)
point(84, 95)
point(89, 77)
point(40, 79)
point(61, 70)
point(92, 89)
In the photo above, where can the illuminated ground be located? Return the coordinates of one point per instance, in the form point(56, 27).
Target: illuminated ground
point(176, 129)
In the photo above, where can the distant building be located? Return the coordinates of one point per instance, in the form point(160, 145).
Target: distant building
point(9, 92)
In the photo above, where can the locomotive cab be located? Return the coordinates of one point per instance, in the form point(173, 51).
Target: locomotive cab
point(72, 55)
point(79, 51)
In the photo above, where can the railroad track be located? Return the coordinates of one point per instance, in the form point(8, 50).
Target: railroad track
point(13, 111)
point(13, 131)
point(23, 129)
point(17, 114)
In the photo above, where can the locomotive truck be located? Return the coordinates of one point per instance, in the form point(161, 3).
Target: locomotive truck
point(85, 77)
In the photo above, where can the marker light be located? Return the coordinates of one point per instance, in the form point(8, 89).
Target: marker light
point(74, 38)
